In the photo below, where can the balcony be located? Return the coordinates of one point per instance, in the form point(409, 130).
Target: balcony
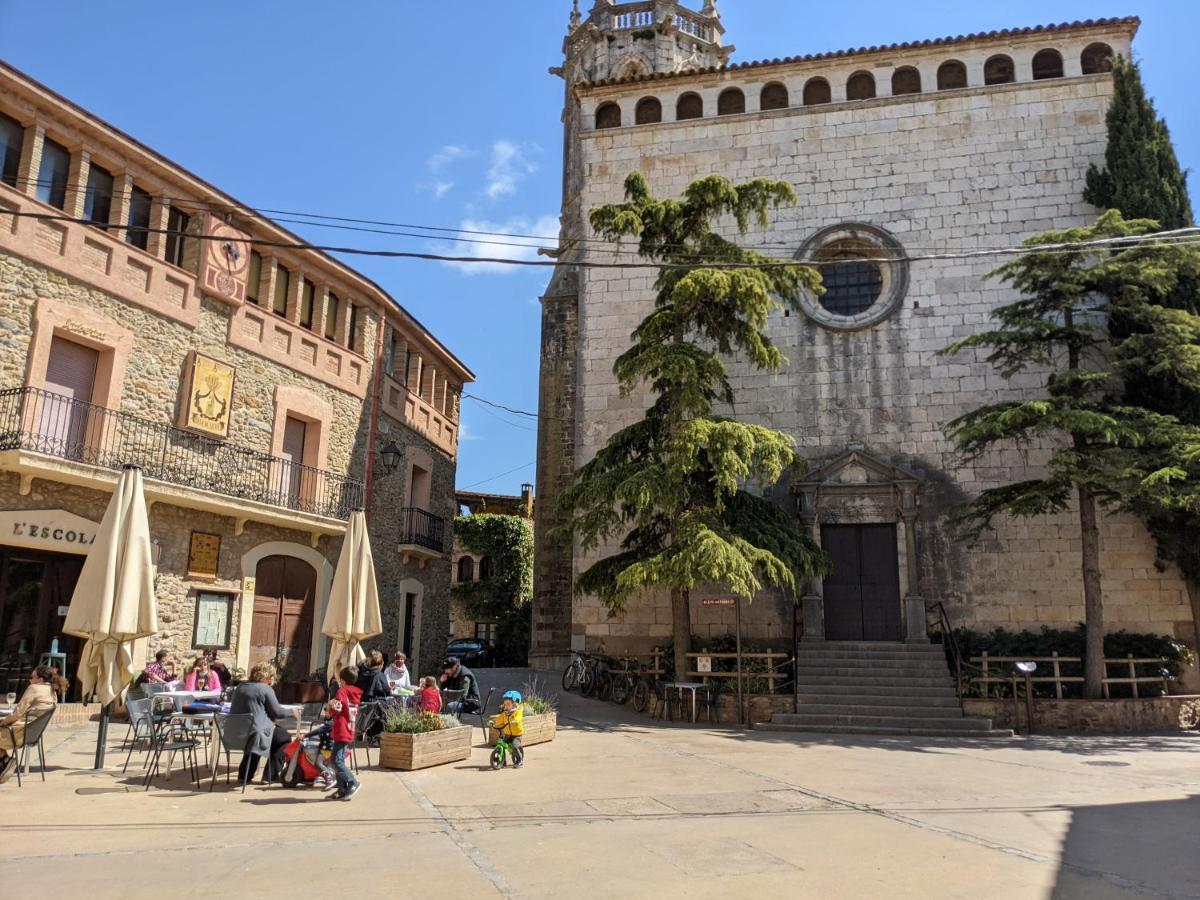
point(422, 535)
point(49, 436)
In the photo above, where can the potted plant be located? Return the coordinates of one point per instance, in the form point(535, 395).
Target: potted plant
point(541, 715)
point(412, 740)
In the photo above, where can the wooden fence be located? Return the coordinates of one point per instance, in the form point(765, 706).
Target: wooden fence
point(774, 672)
point(1002, 666)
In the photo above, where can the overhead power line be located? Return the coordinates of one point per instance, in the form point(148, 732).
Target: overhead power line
point(498, 477)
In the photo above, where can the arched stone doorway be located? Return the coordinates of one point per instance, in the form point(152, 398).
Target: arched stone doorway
point(285, 590)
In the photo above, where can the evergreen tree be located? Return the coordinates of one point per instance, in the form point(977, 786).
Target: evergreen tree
point(671, 485)
point(1102, 452)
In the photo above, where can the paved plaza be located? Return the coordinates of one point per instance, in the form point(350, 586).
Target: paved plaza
point(622, 806)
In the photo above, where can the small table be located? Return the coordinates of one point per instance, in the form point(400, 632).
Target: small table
point(692, 686)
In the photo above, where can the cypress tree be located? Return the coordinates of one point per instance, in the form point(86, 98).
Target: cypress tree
point(672, 486)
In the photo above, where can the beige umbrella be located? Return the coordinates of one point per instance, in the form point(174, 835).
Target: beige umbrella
point(353, 611)
point(113, 604)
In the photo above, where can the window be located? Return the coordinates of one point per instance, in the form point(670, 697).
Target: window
point(12, 138)
point(906, 80)
point(608, 116)
point(283, 284)
point(352, 336)
point(816, 92)
point(731, 102)
point(690, 106)
point(295, 444)
point(389, 353)
point(177, 226)
point(137, 227)
point(486, 631)
point(53, 173)
point(864, 272)
point(1096, 59)
point(332, 311)
point(852, 282)
point(774, 96)
point(97, 203)
point(485, 568)
point(951, 76)
point(649, 111)
point(861, 86)
point(466, 569)
point(308, 298)
point(1047, 64)
point(254, 277)
point(999, 70)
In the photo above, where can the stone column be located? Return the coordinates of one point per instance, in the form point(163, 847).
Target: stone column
point(77, 181)
point(270, 272)
point(320, 304)
point(343, 321)
point(156, 240)
point(119, 214)
point(812, 602)
point(295, 296)
point(916, 629)
point(31, 159)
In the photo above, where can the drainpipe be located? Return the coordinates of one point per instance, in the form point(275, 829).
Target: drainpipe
point(373, 430)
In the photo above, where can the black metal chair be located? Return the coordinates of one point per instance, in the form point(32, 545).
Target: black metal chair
point(480, 714)
point(31, 736)
point(164, 738)
point(235, 732)
point(668, 701)
point(712, 701)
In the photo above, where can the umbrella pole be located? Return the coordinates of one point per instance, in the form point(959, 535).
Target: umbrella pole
point(102, 737)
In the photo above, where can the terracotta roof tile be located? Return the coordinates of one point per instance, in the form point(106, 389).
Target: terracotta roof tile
point(906, 45)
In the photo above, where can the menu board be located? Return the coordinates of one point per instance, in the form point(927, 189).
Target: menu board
point(211, 628)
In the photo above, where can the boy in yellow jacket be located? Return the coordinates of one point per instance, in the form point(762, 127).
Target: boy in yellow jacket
point(510, 723)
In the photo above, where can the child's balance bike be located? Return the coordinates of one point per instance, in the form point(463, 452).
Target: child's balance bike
point(502, 750)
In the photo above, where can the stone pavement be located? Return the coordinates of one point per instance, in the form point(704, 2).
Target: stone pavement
point(622, 806)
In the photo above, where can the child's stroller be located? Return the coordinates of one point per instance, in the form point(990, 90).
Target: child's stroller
point(306, 759)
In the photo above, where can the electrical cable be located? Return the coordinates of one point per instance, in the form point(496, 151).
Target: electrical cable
point(497, 477)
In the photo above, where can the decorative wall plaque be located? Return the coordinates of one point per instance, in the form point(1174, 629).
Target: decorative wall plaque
point(224, 260)
point(207, 396)
point(213, 617)
point(204, 555)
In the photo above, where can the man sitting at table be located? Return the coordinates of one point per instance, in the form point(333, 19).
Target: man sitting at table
point(266, 739)
point(215, 665)
point(156, 672)
point(457, 677)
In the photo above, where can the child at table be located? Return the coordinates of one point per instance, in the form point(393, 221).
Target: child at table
point(428, 698)
point(510, 722)
point(343, 709)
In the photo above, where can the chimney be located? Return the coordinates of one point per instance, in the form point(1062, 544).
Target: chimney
point(527, 499)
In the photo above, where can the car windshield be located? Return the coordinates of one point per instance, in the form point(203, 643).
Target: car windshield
point(464, 645)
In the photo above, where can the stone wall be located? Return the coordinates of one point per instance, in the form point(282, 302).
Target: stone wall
point(1147, 715)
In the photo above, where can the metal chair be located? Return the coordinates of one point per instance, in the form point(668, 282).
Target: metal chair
point(667, 701)
point(31, 736)
point(164, 739)
point(235, 732)
point(481, 714)
point(140, 726)
point(712, 701)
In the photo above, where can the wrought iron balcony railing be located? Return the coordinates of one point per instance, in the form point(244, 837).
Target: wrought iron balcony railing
point(44, 422)
point(422, 529)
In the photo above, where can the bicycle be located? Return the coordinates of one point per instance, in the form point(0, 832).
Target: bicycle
point(573, 674)
point(502, 750)
point(632, 681)
point(597, 680)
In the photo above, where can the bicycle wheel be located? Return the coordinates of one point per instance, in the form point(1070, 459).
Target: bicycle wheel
point(641, 695)
point(621, 689)
point(497, 758)
point(604, 690)
point(570, 679)
point(587, 684)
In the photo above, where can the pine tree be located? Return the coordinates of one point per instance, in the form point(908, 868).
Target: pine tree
point(1102, 452)
point(672, 485)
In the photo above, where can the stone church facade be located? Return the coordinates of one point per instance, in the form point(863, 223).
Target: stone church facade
point(895, 152)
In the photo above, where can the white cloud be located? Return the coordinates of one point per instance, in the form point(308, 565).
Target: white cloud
point(510, 164)
point(442, 188)
point(496, 246)
point(446, 157)
point(466, 433)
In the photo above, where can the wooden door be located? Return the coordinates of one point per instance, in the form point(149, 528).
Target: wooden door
point(862, 594)
point(71, 376)
point(285, 591)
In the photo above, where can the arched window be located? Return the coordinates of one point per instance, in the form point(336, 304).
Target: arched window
point(906, 80)
point(608, 116)
point(485, 568)
point(466, 569)
point(690, 106)
point(816, 92)
point(952, 75)
point(774, 96)
point(731, 102)
point(1047, 64)
point(649, 111)
point(1097, 58)
point(999, 70)
point(861, 86)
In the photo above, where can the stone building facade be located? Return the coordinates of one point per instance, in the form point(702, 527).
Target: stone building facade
point(954, 144)
point(265, 389)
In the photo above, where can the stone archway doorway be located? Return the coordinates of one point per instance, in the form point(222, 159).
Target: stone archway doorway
point(285, 590)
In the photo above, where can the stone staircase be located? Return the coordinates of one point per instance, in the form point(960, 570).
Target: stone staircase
point(877, 688)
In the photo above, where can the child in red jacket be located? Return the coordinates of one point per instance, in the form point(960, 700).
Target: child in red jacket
point(428, 698)
point(343, 710)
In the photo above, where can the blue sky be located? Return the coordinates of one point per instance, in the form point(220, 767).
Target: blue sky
point(444, 114)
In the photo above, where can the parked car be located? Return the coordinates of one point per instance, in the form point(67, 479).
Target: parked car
point(472, 652)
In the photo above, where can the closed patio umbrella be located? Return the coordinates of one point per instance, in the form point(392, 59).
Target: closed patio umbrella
point(353, 611)
point(113, 604)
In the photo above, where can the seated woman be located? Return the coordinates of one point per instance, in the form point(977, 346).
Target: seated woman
point(38, 698)
point(262, 737)
point(397, 673)
point(201, 677)
point(371, 680)
point(428, 698)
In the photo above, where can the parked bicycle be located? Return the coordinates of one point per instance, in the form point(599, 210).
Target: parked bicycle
point(573, 674)
point(634, 682)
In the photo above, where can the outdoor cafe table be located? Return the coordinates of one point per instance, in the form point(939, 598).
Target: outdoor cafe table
point(692, 686)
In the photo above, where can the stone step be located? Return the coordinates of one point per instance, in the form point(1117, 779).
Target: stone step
point(939, 701)
point(870, 647)
point(855, 689)
point(907, 710)
point(876, 721)
point(859, 675)
point(915, 731)
point(824, 652)
point(859, 662)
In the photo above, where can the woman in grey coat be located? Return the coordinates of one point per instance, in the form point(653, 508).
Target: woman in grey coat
point(260, 735)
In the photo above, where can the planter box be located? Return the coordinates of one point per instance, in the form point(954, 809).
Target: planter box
point(420, 751)
point(539, 729)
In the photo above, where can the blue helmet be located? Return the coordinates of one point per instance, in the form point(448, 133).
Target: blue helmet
point(514, 696)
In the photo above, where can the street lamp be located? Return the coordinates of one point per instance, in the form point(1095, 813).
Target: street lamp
point(1027, 669)
point(390, 457)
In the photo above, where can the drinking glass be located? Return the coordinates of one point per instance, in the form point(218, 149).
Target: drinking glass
point(10, 698)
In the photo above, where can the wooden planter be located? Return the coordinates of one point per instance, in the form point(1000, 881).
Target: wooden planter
point(420, 751)
point(539, 729)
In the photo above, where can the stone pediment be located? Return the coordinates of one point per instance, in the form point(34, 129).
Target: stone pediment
point(857, 468)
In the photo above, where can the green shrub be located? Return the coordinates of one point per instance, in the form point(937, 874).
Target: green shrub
point(537, 700)
point(403, 721)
